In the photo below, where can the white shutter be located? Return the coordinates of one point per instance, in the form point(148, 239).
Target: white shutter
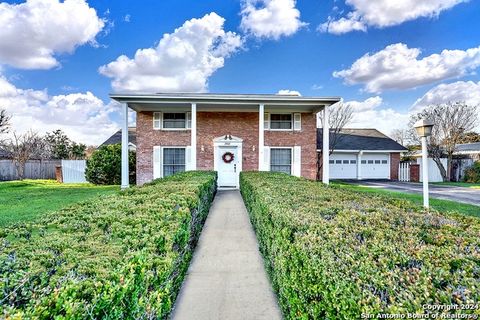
point(266, 121)
point(297, 161)
point(266, 158)
point(297, 121)
point(157, 162)
point(189, 120)
point(157, 120)
point(188, 158)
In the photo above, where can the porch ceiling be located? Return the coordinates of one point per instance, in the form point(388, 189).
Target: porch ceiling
point(223, 102)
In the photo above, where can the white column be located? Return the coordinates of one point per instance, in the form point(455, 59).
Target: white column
point(359, 165)
point(425, 172)
point(326, 147)
point(194, 137)
point(124, 182)
point(261, 137)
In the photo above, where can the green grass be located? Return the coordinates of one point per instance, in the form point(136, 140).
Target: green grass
point(438, 204)
point(459, 184)
point(29, 199)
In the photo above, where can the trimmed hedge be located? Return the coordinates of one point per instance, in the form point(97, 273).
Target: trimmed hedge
point(335, 254)
point(122, 256)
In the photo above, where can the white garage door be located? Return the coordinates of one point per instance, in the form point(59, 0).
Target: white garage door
point(375, 166)
point(343, 166)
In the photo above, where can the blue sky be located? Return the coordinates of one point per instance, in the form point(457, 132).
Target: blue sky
point(313, 47)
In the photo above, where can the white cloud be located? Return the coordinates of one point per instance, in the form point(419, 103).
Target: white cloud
point(182, 60)
point(127, 18)
point(270, 18)
point(82, 116)
point(343, 25)
point(33, 32)
point(370, 114)
point(385, 13)
point(287, 92)
point(398, 67)
point(467, 91)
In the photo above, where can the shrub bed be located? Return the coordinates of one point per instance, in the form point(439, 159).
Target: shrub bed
point(472, 174)
point(122, 256)
point(338, 254)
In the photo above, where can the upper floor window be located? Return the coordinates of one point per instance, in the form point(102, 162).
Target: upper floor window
point(171, 120)
point(280, 121)
point(174, 120)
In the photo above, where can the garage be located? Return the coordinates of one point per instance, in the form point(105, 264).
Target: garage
point(375, 165)
point(362, 154)
point(343, 166)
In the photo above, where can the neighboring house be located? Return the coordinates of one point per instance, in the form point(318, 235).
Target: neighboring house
point(464, 156)
point(227, 133)
point(117, 138)
point(362, 154)
point(469, 150)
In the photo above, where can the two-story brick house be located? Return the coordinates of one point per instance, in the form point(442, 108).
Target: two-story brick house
point(228, 133)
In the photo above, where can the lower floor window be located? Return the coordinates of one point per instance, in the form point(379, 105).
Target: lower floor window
point(173, 161)
point(281, 160)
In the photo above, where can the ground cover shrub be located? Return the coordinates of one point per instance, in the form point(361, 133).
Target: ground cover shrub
point(105, 165)
point(338, 254)
point(472, 174)
point(120, 256)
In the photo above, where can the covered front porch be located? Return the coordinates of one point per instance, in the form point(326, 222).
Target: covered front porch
point(195, 105)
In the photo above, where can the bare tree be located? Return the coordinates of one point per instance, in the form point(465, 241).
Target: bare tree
point(400, 135)
point(340, 115)
point(23, 147)
point(4, 121)
point(451, 121)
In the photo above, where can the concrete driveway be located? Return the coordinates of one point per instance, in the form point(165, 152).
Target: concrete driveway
point(453, 193)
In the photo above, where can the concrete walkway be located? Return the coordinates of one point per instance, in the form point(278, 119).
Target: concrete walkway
point(226, 279)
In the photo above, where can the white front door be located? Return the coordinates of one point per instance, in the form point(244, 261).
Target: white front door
point(228, 171)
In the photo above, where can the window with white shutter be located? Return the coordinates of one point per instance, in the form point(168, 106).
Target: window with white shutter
point(297, 121)
point(189, 120)
point(266, 121)
point(157, 164)
point(157, 120)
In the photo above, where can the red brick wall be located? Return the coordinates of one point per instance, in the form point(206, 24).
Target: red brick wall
point(394, 165)
point(147, 137)
point(306, 138)
point(211, 125)
point(414, 172)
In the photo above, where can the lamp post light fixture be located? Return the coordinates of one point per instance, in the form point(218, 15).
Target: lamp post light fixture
point(424, 129)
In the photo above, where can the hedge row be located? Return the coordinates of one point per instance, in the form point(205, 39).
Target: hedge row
point(122, 256)
point(335, 254)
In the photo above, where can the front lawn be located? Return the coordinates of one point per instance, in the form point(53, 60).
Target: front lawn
point(459, 184)
point(334, 253)
point(30, 199)
point(120, 256)
point(438, 204)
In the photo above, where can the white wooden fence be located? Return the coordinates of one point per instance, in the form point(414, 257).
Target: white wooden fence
point(404, 171)
point(434, 174)
point(73, 171)
point(34, 169)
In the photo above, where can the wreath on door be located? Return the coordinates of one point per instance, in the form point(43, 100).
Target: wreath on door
point(228, 157)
